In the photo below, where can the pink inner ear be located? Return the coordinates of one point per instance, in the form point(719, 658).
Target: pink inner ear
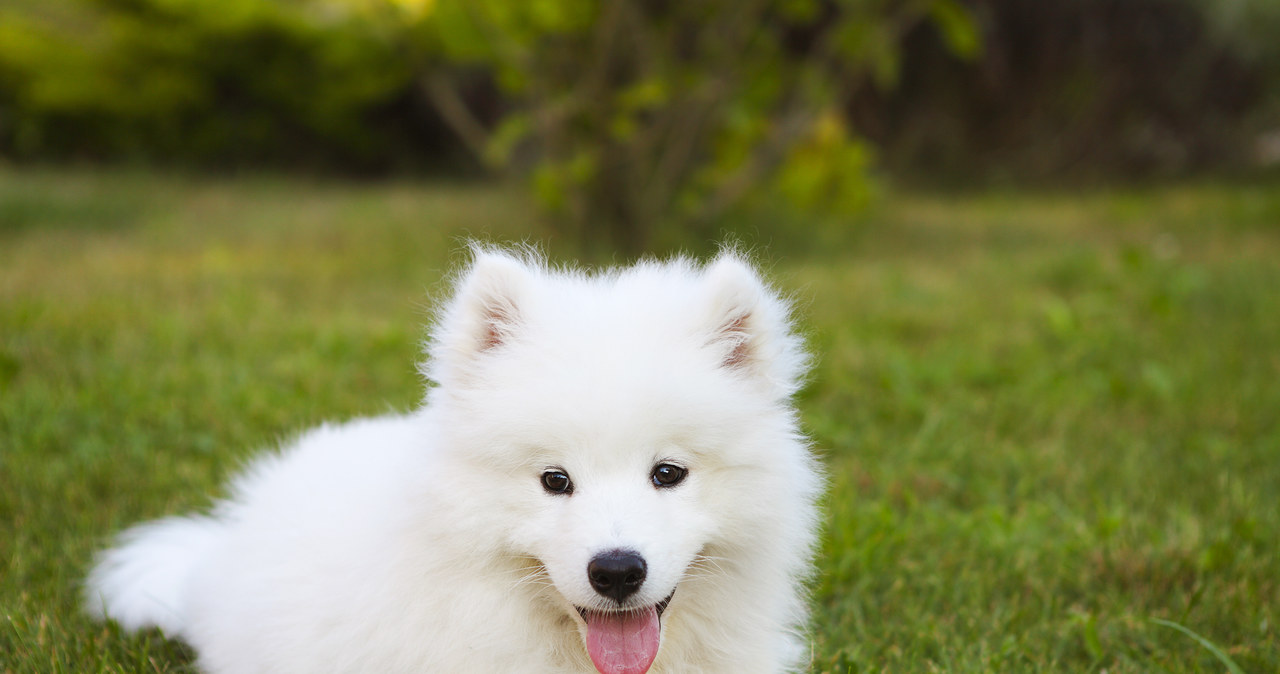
point(736, 330)
point(492, 337)
point(495, 319)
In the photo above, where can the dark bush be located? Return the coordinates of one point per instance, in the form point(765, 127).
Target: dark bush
point(1082, 89)
point(210, 83)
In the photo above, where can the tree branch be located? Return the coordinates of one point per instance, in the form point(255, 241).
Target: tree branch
point(454, 110)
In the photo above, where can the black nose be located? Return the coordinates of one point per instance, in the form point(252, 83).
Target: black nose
point(616, 574)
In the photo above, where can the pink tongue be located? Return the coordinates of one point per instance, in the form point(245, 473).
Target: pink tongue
point(623, 642)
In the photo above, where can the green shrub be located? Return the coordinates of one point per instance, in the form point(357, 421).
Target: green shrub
point(232, 81)
point(646, 115)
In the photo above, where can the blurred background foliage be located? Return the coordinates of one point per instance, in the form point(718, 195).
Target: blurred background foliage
point(629, 118)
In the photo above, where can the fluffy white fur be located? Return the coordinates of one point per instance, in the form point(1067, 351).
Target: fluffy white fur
point(427, 543)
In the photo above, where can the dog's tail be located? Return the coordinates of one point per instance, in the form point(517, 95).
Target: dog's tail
point(142, 581)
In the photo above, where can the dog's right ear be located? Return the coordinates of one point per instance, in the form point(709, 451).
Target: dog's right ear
point(488, 303)
point(485, 313)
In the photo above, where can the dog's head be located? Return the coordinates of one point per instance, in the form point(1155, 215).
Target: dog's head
point(631, 426)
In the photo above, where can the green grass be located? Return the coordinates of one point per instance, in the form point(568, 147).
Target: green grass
point(1051, 420)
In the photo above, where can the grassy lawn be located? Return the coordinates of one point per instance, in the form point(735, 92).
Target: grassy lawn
point(1052, 421)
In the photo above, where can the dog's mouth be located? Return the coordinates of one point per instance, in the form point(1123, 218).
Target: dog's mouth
point(624, 641)
point(659, 607)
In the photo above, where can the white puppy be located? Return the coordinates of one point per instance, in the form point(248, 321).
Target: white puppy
point(607, 476)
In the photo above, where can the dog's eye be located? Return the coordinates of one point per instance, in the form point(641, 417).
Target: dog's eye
point(557, 482)
point(667, 475)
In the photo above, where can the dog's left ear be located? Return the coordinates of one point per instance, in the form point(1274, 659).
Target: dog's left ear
point(751, 328)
